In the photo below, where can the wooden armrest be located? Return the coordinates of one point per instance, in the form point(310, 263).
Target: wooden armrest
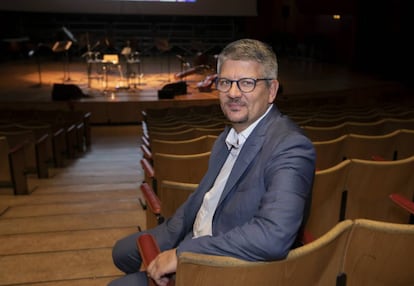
point(151, 198)
point(403, 202)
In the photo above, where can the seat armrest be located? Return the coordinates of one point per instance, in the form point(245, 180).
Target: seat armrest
point(146, 151)
point(148, 169)
point(307, 237)
point(151, 198)
point(403, 202)
point(148, 248)
point(145, 140)
point(377, 158)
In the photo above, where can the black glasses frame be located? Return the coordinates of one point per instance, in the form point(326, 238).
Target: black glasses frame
point(242, 89)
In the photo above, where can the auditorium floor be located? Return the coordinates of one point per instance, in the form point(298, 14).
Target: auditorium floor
point(63, 232)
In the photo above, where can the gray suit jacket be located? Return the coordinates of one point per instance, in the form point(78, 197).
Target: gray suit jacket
point(264, 201)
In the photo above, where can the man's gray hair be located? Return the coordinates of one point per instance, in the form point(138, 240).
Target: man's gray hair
point(250, 50)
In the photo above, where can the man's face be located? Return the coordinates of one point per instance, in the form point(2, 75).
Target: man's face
point(243, 108)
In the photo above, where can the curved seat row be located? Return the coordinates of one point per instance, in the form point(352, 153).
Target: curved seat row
point(361, 112)
point(46, 137)
point(331, 154)
point(360, 189)
point(380, 127)
point(332, 120)
point(165, 116)
point(392, 146)
point(352, 189)
point(353, 253)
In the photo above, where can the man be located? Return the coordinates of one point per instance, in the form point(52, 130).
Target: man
point(254, 197)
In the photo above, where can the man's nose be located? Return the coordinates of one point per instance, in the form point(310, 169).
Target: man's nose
point(234, 90)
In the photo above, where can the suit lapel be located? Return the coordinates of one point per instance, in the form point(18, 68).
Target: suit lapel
point(248, 152)
point(216, 163)
point(246, 156)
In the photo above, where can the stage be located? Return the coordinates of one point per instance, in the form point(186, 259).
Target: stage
point(114, 98)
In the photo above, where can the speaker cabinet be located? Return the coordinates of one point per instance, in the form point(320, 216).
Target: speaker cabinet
point(66, 92)
point(172, 89)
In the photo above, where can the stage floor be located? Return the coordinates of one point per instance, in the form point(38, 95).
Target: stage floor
point(24, 82)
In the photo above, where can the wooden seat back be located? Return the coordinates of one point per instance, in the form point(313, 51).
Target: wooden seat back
point(318, 262)
point(330, 152)
point(182, 168)
point(191, 146)
point(369, 185)
point(379, 253)
point(174, 194)
point(327, 197)
point(12, 167)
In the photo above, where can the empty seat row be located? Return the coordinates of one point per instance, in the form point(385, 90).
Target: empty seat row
point(177, 119)
point(360, 189)
point(380, 127)
point(198, 112)
point(47, 138)
point(12, 167)
point(336, 120)
point(395, 145)
point(360, 111)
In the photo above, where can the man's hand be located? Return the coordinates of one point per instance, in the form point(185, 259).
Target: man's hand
point(165, 263)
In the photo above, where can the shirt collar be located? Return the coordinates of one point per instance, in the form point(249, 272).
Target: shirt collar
point(236, 140)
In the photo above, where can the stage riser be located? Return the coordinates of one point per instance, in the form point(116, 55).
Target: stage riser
point(128, 112)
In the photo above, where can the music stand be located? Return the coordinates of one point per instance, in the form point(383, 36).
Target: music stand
point(63, 47)
point(35, 53)
point(132, 59)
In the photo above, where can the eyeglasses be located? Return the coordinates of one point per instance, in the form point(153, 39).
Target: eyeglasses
point(244, 84)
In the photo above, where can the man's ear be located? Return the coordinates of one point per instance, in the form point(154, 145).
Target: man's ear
point(274, 87)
